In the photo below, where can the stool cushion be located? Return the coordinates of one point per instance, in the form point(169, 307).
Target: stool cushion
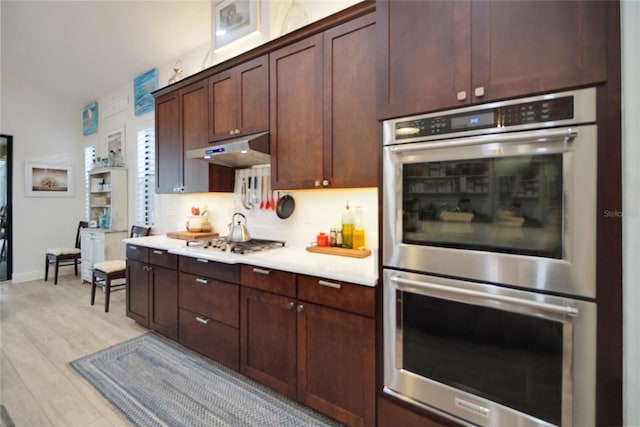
point(110, 266)
point(63, 251)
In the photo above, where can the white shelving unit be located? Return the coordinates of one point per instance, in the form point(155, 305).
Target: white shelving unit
point(108, 193)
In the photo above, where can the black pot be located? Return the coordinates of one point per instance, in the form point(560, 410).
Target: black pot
point(285, 206)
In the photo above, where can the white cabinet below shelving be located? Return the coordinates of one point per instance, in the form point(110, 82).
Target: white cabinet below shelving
point(100, 245)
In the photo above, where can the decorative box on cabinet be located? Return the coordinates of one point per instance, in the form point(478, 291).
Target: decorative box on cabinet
point(295, 344)
point(467, 52)
point(99, 245)
point(108, 195)
point(317, 98)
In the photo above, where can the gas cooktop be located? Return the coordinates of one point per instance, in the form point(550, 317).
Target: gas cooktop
point(220, 244)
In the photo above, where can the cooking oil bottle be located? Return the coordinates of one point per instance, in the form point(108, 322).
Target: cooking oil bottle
point(347, 228)
point(358, 230)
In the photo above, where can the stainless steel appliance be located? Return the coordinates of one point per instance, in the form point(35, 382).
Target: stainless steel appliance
point(222, 244)
point(489, 218)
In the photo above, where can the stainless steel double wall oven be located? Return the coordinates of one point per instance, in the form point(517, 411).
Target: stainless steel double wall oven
point(489, 224)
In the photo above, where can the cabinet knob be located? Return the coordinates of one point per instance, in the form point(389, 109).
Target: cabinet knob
point(325, 182)
point(237, 131)
point(479, 91)
point(291, 305)
point(462, 95)
point(299, 308)
point(232, 131)
point(316, 184)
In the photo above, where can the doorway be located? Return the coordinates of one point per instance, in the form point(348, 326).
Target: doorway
point(6, 168)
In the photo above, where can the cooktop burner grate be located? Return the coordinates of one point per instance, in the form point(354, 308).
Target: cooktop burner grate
point(253, 245)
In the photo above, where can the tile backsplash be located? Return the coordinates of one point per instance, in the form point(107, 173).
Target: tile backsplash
point(315, 211)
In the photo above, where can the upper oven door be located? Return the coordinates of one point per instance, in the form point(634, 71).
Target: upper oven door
point(515, 208)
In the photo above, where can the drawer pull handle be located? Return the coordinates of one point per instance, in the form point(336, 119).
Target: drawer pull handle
point(158, 252)
point(206, 261)
point(261, 271)
point(203, 281)
point(329, 284)
point(202, 320)
point(133, 248)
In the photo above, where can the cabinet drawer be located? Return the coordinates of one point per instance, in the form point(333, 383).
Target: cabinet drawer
point(137, 252)
point(332, 293)
point(211, 269)
point(210, 298)
point(213, 339)
point(266, 279)
point(163, 258)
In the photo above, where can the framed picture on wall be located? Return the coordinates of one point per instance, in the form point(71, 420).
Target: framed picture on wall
point(90, 118)
point(115, 146)
point(143, 85)
point(233, 20)
point(42, 180)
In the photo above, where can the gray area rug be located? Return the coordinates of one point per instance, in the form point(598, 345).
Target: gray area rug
point(154, 381)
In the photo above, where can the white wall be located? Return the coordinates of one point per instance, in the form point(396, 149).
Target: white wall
point(45, 129)
point(630, 11)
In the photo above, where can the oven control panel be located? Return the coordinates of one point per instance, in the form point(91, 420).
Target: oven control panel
point(499, 117)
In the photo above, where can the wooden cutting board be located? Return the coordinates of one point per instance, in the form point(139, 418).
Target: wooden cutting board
point(330, 250)
point(190, 235)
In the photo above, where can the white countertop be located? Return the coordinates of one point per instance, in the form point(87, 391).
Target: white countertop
point(360, 271)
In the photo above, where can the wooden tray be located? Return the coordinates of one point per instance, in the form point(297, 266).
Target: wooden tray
point(190, 235)
point(330, 250)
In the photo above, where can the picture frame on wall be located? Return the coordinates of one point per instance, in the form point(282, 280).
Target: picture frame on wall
point(143, 86)
point(44, 180)
point(115, 146)
point(90, 118)
point(233, 20)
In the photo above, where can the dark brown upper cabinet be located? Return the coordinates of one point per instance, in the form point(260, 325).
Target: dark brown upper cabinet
point(440, 54)
point(323, 112)
point(239, 100)
point(182, 119)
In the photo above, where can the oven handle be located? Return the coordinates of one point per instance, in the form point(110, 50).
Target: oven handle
point(571, 311)
point(567, 134)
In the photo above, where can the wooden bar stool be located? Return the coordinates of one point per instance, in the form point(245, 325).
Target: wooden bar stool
point(103, 273)
point(106, 271)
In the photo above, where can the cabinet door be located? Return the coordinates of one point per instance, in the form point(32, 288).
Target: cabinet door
point(296, 114)
point(138, 292)
point(525, 47)
point(163, 293)
point(351, 133)
point(268, 339)
point(253, 95)
point(336, 364)
point(240, 100)
point(195, 134)
point(168, 146)
point(424, 50)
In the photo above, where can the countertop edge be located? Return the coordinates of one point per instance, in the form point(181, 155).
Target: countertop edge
point(290, 259)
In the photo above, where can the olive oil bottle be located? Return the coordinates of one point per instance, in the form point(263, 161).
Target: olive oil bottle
point(347, 228)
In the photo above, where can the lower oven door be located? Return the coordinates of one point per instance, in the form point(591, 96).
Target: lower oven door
point(489, 355)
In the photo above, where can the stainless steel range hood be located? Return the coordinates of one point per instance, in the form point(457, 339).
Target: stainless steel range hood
point(249, 150)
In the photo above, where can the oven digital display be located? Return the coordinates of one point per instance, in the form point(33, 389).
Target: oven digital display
point(471, 121)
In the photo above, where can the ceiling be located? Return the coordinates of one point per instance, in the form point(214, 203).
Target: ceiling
point(85, 49)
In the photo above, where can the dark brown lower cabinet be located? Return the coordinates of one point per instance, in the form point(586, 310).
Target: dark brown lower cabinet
point(152, 289)
point(268, 336)
point(209, 310)
point(318, 348)
point(336, 363)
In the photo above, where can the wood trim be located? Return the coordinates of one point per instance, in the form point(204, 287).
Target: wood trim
point(320, 26)
point(609, 373)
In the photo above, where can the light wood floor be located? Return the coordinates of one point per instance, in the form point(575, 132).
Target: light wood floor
point(42, 328)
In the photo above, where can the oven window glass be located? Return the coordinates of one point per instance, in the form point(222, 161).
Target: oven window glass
point(506, 204)
point(508, 358)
